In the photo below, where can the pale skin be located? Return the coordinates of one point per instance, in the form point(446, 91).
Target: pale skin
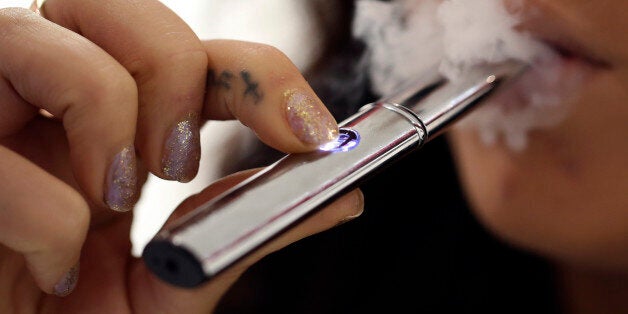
point(119, 74)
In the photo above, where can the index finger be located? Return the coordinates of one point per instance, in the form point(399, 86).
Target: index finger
point(261, 87)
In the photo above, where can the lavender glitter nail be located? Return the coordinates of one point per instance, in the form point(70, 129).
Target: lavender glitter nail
point(182, 151)
point(66, 285)
point(309, 122)
point(121, 184)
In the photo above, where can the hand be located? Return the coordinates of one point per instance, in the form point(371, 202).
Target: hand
point(128, 85)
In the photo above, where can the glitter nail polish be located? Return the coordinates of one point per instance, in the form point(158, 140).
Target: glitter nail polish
point(182, 151)
point(121, 181)
point(309, 122)
point(67, 283)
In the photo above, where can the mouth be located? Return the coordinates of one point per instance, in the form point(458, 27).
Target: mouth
point(570, 52)
point(562, 32)
point(570, 64)
point(543, 96)
point(554, 79)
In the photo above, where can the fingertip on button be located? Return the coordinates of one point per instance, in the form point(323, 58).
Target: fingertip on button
point(347, 140)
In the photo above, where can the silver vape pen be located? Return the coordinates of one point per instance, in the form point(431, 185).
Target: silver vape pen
point(215, 235)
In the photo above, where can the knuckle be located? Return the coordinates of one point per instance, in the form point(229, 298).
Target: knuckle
point(75, 222)
point(107, 84)
point(14, 15)
point(194, 57)
point(103, 93)
point(118, 82)
point(15, 20)
point(70, 228)
point(185, 58)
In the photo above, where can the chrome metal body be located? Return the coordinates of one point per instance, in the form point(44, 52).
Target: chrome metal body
point(209, 239)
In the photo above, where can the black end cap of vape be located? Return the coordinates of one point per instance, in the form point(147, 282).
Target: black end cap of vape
point(173, 264)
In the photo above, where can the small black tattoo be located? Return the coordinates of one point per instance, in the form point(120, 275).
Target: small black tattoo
point(223, 80)
point(251, 87)
point(211, 77)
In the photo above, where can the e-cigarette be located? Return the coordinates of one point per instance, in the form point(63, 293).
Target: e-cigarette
point(209, 239)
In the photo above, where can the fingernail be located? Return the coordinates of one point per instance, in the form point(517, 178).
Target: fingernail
point(308, 120)
point(67, 283)
point(348, 218)
point(182, 150)
point(359, 204)
point(121, 192)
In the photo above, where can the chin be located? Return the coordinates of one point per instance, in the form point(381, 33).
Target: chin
point(557, 199)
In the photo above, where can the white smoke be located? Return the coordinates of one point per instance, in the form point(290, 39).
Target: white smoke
point(408, 37)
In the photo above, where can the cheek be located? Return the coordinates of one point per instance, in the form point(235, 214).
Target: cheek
point(565, 195)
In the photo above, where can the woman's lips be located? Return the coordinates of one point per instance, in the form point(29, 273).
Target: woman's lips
point(540, 99)
point(557, 76)
point(561, 31)
point(575, 53)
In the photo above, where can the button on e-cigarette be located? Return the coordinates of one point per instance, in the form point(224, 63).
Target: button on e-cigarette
point(347, 140)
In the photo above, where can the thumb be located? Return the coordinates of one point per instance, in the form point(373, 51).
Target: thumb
point(205, 298)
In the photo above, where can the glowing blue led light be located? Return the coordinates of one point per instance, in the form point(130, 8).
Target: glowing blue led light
point(346, 140)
